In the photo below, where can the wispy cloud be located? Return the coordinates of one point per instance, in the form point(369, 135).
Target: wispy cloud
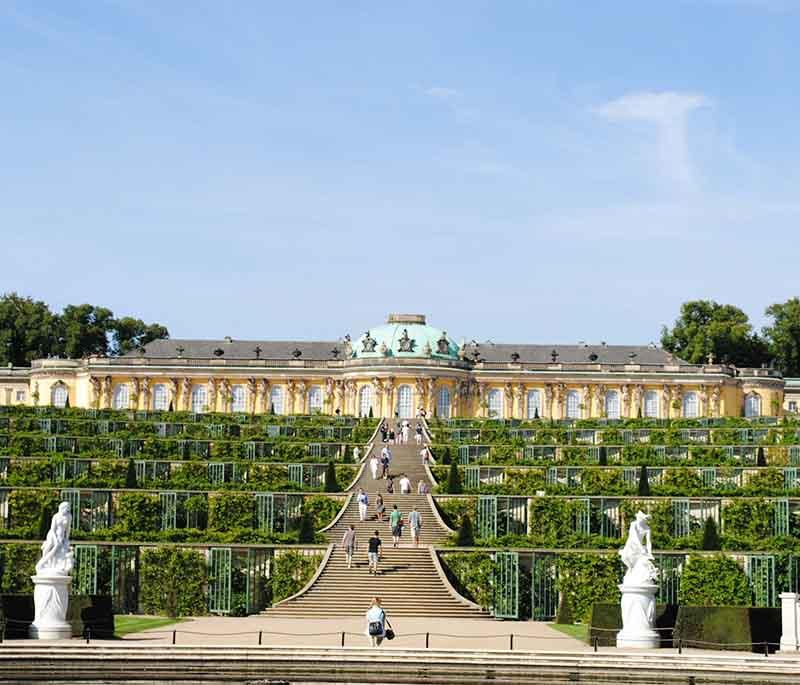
point(441, 93)
point(669, 112)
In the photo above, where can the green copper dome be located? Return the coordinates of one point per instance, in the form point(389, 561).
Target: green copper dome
point(405, 335)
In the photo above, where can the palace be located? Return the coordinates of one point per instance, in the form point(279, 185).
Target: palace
point(402, 366)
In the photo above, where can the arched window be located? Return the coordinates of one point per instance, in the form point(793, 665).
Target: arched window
point(495, 400)
point(160, 397)
point(199, 401)
point(690, 405)
point(752, 405)
point(404, 405)
point(276, 399)
point(612, 404)
point(534, 404)
point(651, 404)
point(573, 405)
point(364, 400)
point(238, 398)
point(59, 395)
point(315, 399)
point(121, 398)
point(443, 403)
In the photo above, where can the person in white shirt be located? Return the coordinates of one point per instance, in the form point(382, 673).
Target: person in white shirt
point(405, 433)
point(363, 503)
point(405, 485)
point(373, 467)
point(356, 454)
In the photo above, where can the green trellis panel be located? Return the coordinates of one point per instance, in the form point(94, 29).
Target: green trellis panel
point(669, 578)
point(125, 579)
point(761, 572)
point(790, 478)
point(216, 472)
point(258, 566)
point(610, 518)
point(506, 585)
point(169, 510)
point(472, 477)
point(794, 456)
point(681, 521)
point(315, 450)
point(85, 575)
point(219, 580)
point(100, 510)
point(316, 475)
point(709, 476)
point(292, 511)
point(296, 474)
point(582, 520)
point(544, 584)
point(487, 516)
point(512, 516)
point(265, 510)
point(73, 496)
point(780, 518)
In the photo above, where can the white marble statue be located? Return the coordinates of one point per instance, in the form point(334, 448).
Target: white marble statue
point(52, 580)
point(638, 588)
point(637, 554)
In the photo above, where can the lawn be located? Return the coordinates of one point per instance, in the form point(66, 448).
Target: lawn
point(580, 631)
point(124, 625)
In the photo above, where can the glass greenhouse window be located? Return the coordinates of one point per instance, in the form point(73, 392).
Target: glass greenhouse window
point(121, 397)
point(160, 402)
point(612, 404)
point(364, 400)
point(752, 405)
point(495, 401)
point(238, 398)
point(276, 399)
point(690, 405)
point(59, 396)
point(651, 404)
point(199, 402)
point(573, 405)
point(404, 404)
point(534, 403)
point(315, 399)
point(443, 403)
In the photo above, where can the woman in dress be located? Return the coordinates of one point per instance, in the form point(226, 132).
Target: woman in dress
point(380, 508)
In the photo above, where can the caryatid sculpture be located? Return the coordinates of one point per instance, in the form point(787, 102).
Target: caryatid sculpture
point(52, 580)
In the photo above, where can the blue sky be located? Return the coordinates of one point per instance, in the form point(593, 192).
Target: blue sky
point(519, 171)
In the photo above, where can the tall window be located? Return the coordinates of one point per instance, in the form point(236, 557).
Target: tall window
point(364, 400)
point(793, 406)
point(404, 405)
point(752, 405)
point(276, 398)
point(121, 398)
point(612, 404)
point(199, 401)
point(534, 403)
point(443, 403)
point(238, 398)
point(495, 400)
point(160, 397)
point(315, 399)
point(651, 404)
point(573, 405)
point(59, 396)
point(690, 405)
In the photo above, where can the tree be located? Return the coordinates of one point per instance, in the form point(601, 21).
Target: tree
point(783, 336)
point(27, 330)
point(565, 615)
point(130, 476)
point(130, 334)
point(602, 456)
point(644, 483)
point(711, 539)
point(85, 329)
point(331, 484)
point(454, 480)
point(761, 460)
point(307, 533)
point(45, 517)
point(466, 535)
point(705, 327)
point(445, 456)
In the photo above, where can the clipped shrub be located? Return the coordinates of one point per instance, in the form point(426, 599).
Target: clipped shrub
point(711, 539)
point(17, 565)
point(760, 458)
point(138, 512)
point(602, 456)
point(606, 621)
point(714, 581)
point(454, 480)
point(644, 484)
point(565, 615)
point(331, 484)
point(322, 509)
point(738, 628)
point(306, 532)
point(472, 574)
point(588, 578)
point(130, 476)
point(228, 511)
point(172, 582)
point(466, 534)
point(291, 571)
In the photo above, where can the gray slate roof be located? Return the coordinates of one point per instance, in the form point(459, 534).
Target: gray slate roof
point(319, 350)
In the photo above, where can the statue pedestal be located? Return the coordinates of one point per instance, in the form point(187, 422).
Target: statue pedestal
point(51, 598)
point(638, 605)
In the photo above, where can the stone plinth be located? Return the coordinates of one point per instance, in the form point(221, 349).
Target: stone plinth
point(638, 606)
point(51, 598)
point(790, 622)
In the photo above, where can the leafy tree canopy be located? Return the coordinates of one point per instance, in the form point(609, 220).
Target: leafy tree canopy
point(30, 330)
point(784, 335)
point(705, 328)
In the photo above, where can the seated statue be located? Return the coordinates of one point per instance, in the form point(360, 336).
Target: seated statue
point(637, 554)
point(56, 555)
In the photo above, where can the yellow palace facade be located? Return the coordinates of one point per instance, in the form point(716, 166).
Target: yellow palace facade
point(400, 367)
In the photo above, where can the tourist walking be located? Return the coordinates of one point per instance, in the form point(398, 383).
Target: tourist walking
point(376, 623)
point(406, 432)
point(422, 488)
point(405, 485)
point(349, 544)
point(418, 433)
point(390, 486)
point(363, 503)
point(379, 507)
point(384, 432)
point(396, 522)
point(415, 523)
point(373, 466)
point(391, 437)
point(374, 552)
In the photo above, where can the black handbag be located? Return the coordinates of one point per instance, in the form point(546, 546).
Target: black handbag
point(389, 635)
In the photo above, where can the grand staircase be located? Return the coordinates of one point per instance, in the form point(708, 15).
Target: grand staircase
point(410, 580)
